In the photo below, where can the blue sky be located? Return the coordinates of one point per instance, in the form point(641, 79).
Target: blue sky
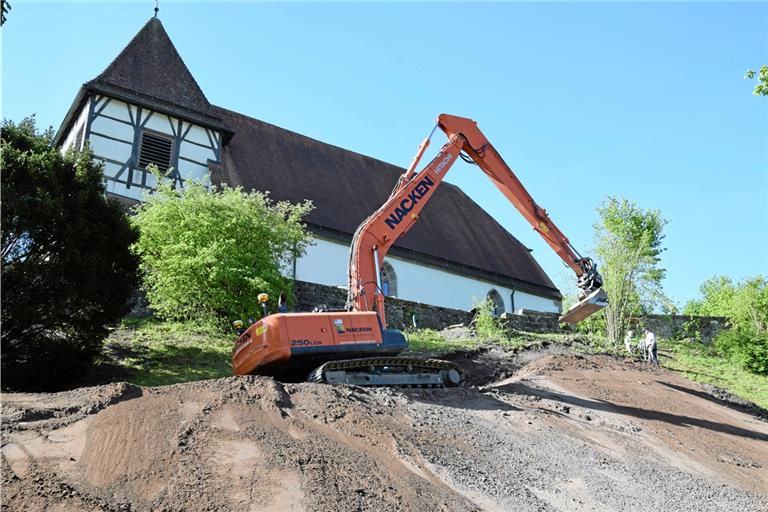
point(584, 100)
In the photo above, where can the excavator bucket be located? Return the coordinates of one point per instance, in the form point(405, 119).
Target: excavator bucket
point(592, 303)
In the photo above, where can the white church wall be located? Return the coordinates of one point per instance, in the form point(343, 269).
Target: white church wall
point(197, 153)
point(427, 284)
point(326, 263)
point(199, 135)
point(529, 301)
point(112, 128)
point(110, 148)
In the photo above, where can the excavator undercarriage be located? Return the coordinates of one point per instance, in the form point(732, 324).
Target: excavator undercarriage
point(389, 371)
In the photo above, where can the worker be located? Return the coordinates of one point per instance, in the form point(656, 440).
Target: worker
point(628, 341)
point(650, 347)
point(282, 303)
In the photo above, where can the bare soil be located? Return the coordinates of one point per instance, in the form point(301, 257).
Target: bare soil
point(534, 431)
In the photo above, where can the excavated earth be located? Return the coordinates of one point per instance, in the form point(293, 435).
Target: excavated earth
point(546, 431)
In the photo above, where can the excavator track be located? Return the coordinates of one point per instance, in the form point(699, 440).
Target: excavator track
point(389, 371)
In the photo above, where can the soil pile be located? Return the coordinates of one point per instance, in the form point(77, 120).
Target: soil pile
point(550, 432)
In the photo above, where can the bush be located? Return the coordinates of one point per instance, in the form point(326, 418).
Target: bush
point(208, 254)
point(487, 325)
point(67, 271)
point(749, 351)
point(746, 306)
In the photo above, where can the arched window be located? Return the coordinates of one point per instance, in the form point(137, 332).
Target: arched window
point(497, 301)
point(388, 280)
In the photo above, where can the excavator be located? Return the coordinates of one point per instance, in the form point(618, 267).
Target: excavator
point(355, 346)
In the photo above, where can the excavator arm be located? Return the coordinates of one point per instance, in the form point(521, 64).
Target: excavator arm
point(413, 191)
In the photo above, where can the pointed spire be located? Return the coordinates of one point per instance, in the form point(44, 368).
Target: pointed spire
point(150, 66)
point(157, 8)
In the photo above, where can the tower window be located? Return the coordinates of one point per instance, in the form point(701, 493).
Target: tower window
point(155, 149)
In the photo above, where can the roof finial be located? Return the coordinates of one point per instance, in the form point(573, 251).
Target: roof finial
point(156, 8)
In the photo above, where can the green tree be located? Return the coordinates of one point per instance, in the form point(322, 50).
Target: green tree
point(746, 306)
point(67, 270)
point(628, 247)
point(761, 88)
point(208, 254)
point(717, 294)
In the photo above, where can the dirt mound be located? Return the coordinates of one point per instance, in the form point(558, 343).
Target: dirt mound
point(561, 432)
point(51, 410)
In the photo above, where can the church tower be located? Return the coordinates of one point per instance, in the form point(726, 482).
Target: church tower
point(146, 108)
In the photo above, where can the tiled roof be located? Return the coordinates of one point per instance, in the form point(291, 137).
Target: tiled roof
point(150, 71)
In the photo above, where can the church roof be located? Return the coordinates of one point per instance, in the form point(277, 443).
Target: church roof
point(150, 64)
point(149, 71)
point(453, 231)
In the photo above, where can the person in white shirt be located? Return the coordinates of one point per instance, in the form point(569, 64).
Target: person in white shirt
point(651, 350)
point(628, 341)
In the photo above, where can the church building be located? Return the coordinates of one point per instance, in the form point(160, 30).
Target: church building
point(146, 107)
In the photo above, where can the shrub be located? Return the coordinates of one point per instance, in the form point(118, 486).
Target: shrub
point(208, 254)
point(746, 306)
point(486, 324)
point(748, 350)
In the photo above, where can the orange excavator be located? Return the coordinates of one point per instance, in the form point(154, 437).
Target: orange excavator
point(355, 346)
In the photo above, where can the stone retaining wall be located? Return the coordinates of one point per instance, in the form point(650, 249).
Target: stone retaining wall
point(704, 328)
point(400, 313)
point(531, 321)
point(405, 313)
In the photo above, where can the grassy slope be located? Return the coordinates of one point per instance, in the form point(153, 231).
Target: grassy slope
point(153, 353)
point(701, 364)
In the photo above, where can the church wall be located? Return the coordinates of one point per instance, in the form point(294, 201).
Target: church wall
point(326, 263)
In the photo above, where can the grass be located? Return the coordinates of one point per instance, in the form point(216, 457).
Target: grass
point(701, 363)
point(154, 353)
point(429, 341)
point(149, 352)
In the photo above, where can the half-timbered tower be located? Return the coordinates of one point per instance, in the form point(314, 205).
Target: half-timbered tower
point(146, 107)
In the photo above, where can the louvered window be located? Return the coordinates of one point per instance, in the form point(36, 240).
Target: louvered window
point(155, 149)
